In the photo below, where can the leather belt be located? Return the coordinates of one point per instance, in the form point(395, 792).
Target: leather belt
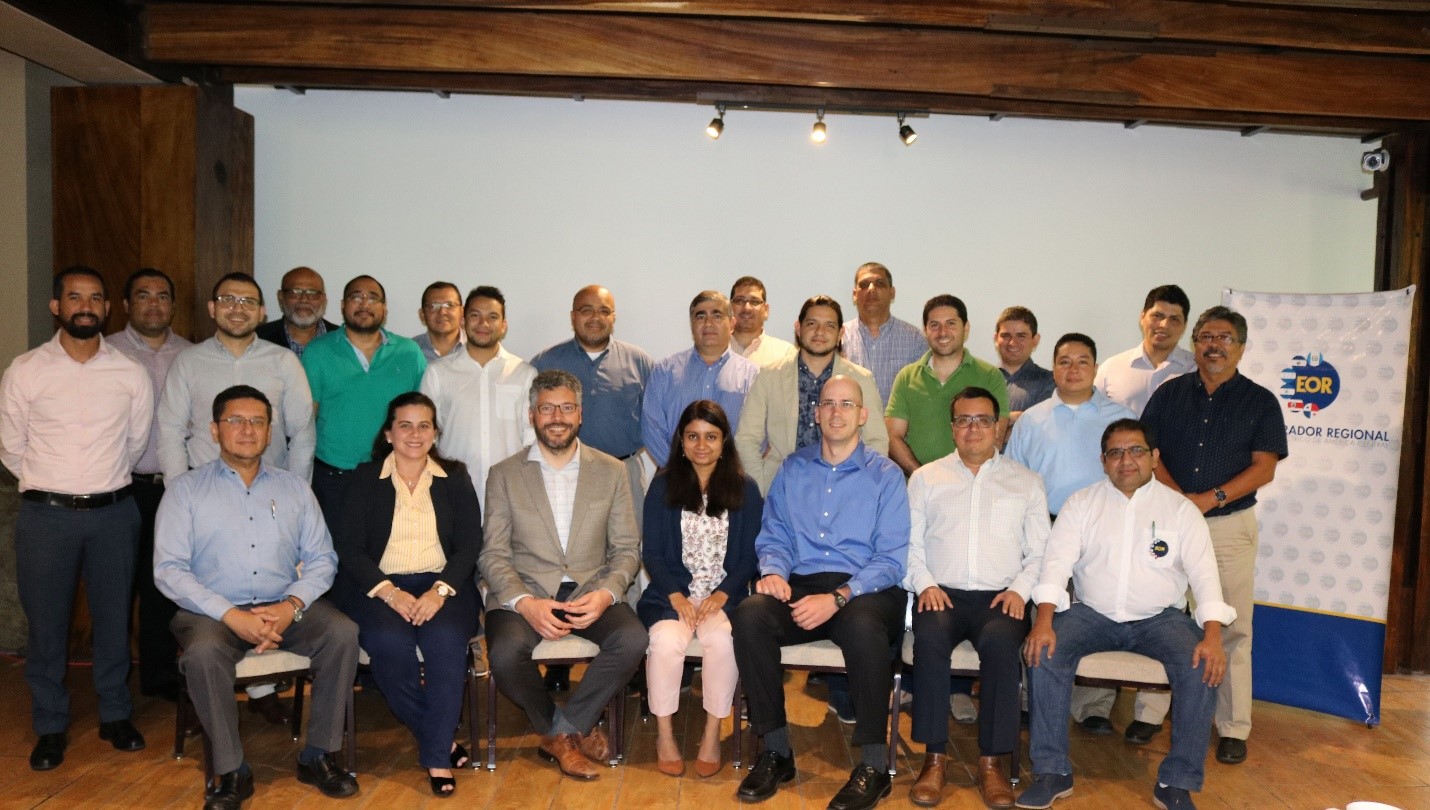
point(77, 502)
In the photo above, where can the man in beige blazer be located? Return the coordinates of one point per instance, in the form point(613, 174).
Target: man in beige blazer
point(778, 417)
point(560, 547)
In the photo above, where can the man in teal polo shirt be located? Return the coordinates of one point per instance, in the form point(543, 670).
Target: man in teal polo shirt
point(354, 372)
point(918, 411)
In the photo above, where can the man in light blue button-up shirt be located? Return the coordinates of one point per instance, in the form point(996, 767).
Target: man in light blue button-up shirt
point(241, 547)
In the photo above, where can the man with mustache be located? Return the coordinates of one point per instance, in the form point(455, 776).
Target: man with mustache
point(235, 356)
point(303, 301)
point(441, 314)
point(480, 391)
point(353, 373)
point(560, 548)
point(147, 338)
point(74, 420)
point(1222, 438)
point(751, 306)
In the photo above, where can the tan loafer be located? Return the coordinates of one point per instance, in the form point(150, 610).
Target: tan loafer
point(997, 793)
point(928, 788)
point(562, 749)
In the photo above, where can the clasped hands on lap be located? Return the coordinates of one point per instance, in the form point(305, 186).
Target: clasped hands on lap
point(415, 610)
point(262, 626)
point(574, 614)
point(809, 611)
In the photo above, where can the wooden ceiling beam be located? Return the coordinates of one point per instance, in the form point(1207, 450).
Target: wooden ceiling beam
point(817, 55)
point(812, 98)
point(1388, 26)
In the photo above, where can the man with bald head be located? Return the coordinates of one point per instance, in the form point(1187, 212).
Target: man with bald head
point(303, 300)
point(832, 550)
point(613, 375)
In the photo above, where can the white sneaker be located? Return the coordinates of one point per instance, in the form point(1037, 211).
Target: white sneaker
point(963, 709)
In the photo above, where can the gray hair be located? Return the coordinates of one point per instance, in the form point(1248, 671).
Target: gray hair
point(1221, 313)
point(552, 379)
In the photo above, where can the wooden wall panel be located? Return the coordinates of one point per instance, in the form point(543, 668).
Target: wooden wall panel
point(168, 236)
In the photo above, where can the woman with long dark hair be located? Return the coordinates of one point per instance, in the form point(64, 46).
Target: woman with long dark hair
point(407, 545)
point(701, 517)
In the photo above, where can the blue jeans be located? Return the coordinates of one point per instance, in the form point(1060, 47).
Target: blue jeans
point(1169, 637)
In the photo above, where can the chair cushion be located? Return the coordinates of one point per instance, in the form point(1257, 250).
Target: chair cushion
point(273, 662)
point(964, 656)
point(824, 653)
point(693, 649)
point(570, 646)
point(1122, 666)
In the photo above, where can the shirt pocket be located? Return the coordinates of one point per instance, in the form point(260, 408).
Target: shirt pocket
point(509, 401)
point(1007, 517)
point(1164, 549)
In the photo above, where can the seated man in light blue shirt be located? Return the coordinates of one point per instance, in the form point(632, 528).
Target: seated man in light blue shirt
point(832, 549)
point(240, 546)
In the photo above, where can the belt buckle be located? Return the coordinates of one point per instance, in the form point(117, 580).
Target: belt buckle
point(82, 501)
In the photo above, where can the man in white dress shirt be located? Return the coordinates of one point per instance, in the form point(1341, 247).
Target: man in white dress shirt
point(1130, 378)
point(979, 522)
point(1131, 545)
point(748, 338)
point(481, 392)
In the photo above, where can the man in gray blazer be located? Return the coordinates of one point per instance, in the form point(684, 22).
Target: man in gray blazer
point(778, 417)
point(561, 546)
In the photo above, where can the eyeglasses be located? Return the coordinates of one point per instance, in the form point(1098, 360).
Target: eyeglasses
point(1116, 453)
point(363, 298)
point(567, 408)
point(838, 404)
point(237, 422)
point(981, 420)
point(300, 292)
point(747, 300)
point(237, 302)
point(588, 310)
point(1223, 339)
point(440, 306)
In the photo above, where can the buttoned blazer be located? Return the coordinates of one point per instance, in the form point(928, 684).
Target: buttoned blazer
point(361, 535)
point(771, 414)
point(522, 552)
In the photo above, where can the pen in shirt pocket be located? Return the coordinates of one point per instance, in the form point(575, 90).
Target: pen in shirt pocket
point(273, 507)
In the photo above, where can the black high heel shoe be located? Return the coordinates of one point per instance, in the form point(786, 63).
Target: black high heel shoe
point(442, 786)
point(460, 757)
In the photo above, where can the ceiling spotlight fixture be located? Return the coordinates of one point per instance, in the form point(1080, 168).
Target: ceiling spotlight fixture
point(820, 132)
point(906, 132)
point(717, 124)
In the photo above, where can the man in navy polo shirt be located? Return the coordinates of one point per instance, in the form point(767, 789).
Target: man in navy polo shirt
point(1222, 436)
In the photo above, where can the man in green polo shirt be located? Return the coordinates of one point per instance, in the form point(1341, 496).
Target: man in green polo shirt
point(918, 412)
point(353, 373)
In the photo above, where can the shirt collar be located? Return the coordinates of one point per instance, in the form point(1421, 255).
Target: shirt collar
point(695, 355)
point(533, 453)
point(389, 466)
point(139, 341)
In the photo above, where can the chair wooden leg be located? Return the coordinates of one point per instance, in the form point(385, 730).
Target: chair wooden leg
point(491, 722)
point(472, 700)
point(298, 683)
point(738, 710)
point(181, 717)
point(895, 699)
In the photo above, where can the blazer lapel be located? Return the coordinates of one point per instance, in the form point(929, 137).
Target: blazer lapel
point(536, 492)
point(585, 493)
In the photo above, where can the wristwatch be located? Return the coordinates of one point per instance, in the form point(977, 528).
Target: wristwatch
point(444, 590)
point(1220, 495)
point(297, 608)
point(839, 600)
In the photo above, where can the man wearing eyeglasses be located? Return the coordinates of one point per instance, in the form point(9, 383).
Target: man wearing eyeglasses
point(303, 300)
point(441, 314)
point(832, 551)
point(979, 524)
point(241, 547)
point(1223, 436)
point(480, 392)
point(1131, 546)
point(560, 549)
point(354, 372)
point(876, 340)
point(710, 370)
point(751, 307)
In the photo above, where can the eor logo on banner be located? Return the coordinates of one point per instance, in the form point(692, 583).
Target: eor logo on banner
point(1310, 384)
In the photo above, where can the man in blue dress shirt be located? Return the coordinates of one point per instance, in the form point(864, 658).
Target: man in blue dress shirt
point(832, 550)
point(709, 370)
point(241, 548)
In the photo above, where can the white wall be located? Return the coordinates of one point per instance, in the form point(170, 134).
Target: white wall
point(542, 196)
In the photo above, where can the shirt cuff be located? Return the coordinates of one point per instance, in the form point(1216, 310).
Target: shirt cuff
point(1215, 612)
point(922, 584)
point(512, 604)
point(1057, 595)
point(373, 593)
point(615, 600)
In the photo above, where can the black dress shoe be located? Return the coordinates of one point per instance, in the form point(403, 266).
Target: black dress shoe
point(1140, 733)
point(866, 786)
point(168, 691)
point(765, 777)
point(232, 789)
point(558, 678)
point(122, 735)
point(324, 773)
point(1097, 725)
point(49, 752)
point(1231, 751)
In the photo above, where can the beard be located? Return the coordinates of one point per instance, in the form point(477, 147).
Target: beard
point(304, 321)
point(811, 352)
point(557, 446)
point(362, 329)
point(83, 331)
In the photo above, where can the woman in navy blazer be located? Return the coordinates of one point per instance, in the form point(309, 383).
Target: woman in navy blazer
point(702, 514)
point(428, 597)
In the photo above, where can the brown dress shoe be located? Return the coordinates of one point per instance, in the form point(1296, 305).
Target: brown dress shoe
point(596, 746)
point(996, 791)
point(270, 707)
point(561, 749)
point(928, 788)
